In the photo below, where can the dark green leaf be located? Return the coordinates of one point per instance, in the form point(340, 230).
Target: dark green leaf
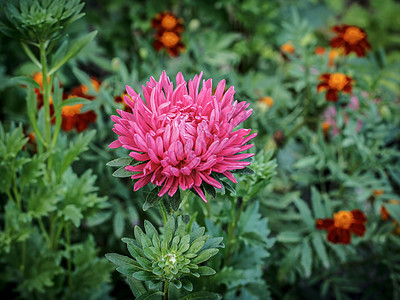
point(149, 295)
point(122, 173)
point(152, 198)
point(202, 295)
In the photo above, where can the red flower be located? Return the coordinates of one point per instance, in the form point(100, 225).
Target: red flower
point(351, 38)
point(167, 21)
point(342, 225)
point(333, 83)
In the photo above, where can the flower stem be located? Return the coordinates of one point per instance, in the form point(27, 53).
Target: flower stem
point(165, 290)
point(46, 92)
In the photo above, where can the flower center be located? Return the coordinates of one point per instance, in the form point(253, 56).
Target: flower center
point(343, 219)
point(71, 110)
point(169, 39)
point(337, 81)
point(168, 22)
point(353, 35)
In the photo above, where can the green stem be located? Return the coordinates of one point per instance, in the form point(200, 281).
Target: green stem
point(69, 266)
point(163, 211)
point(44, 231)
point(165, 290)
point(46, 93)
point(232, 227)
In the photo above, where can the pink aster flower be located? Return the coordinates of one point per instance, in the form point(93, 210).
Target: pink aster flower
point(183, 135)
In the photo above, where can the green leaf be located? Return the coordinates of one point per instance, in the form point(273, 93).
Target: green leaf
point(144, 276)
point(205, 271)
point(81, 144)
point(152, 198)
point(77, 46)
point(25, 80)
point(175, 200)
point(320, 249)
point(306, 258)
point(214, 243)
point(71, 212)
point(120, 260)
point(187, 285)
point(177, 283)
point(119, 162)
point(393, 210)
point(289, 237)
point(202, 295)
point(316, 203)
point(122, 173)
point(119, 224)
point(75, 100)
point(204, 255)
point(149, 295)
point(305, 212)
point(244, 171)
point(150, 229)
point(209, 189)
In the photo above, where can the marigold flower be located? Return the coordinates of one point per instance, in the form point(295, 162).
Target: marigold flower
point(169, 40)
point(167, 21)
point(288, 48)
point(333, 83)
point(342, 225)
point(73, 118)
point(269, 101)
point(351, 39)
point(183, 136)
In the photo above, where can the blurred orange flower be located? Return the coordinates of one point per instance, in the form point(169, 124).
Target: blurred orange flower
point(342, 225)
point(332, 83)
point(269, 101)
point(351, 39)
point(167, 21)
point(288, 48)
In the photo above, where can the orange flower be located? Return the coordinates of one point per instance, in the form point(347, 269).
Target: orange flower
point(333, 83)
point(288, 48)
point(269, 101)
point(83, 90)
point(167, 21)
point(169, 40)
point(325, 127)
point(342, 225)
point(378, 192)
point(73, 118)
point(351, 38)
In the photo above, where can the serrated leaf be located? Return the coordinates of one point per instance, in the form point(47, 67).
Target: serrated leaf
point(393, 210)
point(119, 162)
point(305, 212)
point(74, 101)
point(316, 203)
point(71, 212)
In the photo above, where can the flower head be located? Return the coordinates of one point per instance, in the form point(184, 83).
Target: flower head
point(288, 48)
point(181, 135)
point(351, 39)
point(167, 21)
point(169, 40)
point(269, 101)
point(342, 225)
point(332, 83)
point(72, 117)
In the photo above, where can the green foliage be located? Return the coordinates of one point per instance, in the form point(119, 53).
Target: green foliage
point(171, 257)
